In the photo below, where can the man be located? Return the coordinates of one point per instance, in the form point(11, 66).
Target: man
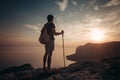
point(49, 47)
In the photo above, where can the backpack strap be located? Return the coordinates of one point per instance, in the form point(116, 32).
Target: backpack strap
point(44, 28)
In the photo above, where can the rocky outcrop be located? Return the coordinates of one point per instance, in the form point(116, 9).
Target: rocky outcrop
point(25, 71)
point(106, 69)
point(95, 51)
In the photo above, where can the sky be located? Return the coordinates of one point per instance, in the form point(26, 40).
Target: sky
point(83, 21)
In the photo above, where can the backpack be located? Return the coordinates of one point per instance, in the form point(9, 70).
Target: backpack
point(44, 36)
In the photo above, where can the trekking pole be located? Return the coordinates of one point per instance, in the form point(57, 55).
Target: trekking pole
point(63, 49)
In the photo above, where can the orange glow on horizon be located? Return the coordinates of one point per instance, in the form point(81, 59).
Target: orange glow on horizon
point(97, 35)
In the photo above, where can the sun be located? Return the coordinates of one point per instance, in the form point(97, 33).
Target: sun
point(97, 35)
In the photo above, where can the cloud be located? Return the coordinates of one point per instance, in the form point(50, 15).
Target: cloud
point(112, 3)
point(107, 21)
point(96, 7)
point(92, 2)
point(34, 27)
point(62, 5)
point(74, 2)
point(81, 7)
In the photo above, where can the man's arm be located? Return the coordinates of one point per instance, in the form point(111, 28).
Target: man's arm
point(57, 33)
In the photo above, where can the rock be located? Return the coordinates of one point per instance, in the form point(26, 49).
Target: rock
point(8, 76)
point(25, 71)
point(58, 77)
point(106, 69)
point(25, 67)
point(27, 74)
point(74, 67)
point(64, 70)
point(88, 51)
point(17, 68)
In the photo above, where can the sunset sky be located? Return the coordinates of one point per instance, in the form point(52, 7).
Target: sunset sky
point(83, 21)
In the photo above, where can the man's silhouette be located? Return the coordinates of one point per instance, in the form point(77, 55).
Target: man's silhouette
point(49, 47)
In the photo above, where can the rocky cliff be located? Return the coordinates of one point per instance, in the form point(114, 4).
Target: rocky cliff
point(95, 51)
point(106, 69)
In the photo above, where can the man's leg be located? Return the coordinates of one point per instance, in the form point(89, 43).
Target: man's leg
point(49, 59)
point(45, 58)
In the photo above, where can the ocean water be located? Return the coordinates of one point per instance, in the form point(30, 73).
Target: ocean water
point(16, 56)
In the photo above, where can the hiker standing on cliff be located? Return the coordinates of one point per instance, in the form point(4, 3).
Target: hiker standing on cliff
point(49, 47)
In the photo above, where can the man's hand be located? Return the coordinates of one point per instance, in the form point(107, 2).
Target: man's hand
point(62, 32)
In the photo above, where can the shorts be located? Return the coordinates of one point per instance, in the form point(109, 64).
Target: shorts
point(50, 46)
